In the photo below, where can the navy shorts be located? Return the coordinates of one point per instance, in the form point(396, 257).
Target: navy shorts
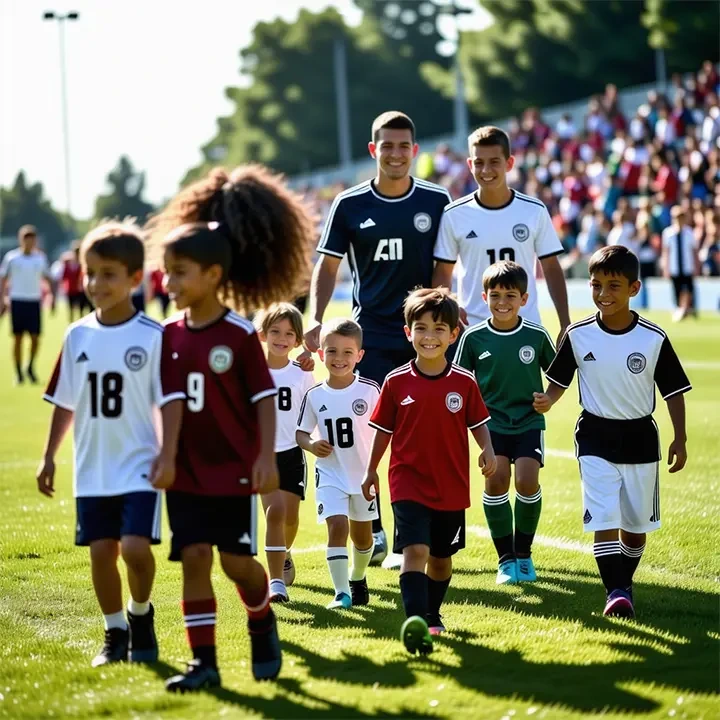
point(530, 443)
point(443, 531)
point(228, 522)
point(25, 315)
point(377, 363)
point(115, 516)
point(80, 301)
point(138, 301)
point(292, 471)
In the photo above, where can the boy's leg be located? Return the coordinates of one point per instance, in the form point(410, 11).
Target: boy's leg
point(106, 581)
point(439, 573)
point(498, 513)
point(17, 352)
point(292, 518)
point(362, 549)
point(275, 548)
point(338, 560)
point(293, 485)
point(528, 501)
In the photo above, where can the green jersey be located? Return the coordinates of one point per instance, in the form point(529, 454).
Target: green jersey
point(507, 365)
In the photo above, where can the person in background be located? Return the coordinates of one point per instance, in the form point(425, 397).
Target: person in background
point(680, 262)
point(159, 291)
point(71, 279)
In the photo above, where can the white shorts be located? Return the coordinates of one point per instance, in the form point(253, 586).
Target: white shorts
point(620, 496)
point(334, 501)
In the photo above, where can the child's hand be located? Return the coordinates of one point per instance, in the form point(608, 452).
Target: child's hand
point(46, 477)
point(265, 477)
point(306, 361)
point(371, 485)
point(677, 453)
point(321, 448)
point(162, 472)
point(487, 461)
point(541, 402)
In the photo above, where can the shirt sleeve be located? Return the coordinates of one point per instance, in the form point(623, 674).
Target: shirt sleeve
point(335, 239)
point(562, 368)
point(669, 374)
point(446, 245)
point(385, 412)
point(59, 391)
point(44, 267)
point(168, 381)
point(254, 370)
point(307, 420)
point(476, 413)
point(547, 352)
point(547, 243)
point(5, 265)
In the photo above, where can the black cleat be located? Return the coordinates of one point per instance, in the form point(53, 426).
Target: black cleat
point(115, 648)
point(199, 676)
point(31, 375)
point(143, 643)
point(265, 646)
point(360, 592)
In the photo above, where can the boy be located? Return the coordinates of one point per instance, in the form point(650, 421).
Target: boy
point(506, 353)
point(427, 407)
point(113, 369)
point(340, 408)
point(620, 357)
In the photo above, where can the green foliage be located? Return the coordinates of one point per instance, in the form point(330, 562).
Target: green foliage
point(125, 196)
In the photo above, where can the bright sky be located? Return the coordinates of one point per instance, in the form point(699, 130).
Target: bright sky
point(145, 78)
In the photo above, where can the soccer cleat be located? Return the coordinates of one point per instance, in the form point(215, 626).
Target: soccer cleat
point(199, 676)
point(359, 591)
point(278, 592)
point(342, 600)
point(143, 643)
point(507, 573)
point(380, 550)
point(115, 648)
point(289, 570)
point(435, 624)
point(526, 570)
point(393, 561)
point(619, 604)
point(265, 648)
point(415, 636)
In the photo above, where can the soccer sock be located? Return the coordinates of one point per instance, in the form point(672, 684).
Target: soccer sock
point(256, 601)
point(337, 560)
point(609, 562)
point(527, 516)
point(138, 608)
point(500, 521)
point(630, 558)
point(200, 617)
point(276, 549)
point(277, 587)
point(19, 373)
point(436, 594)
point(361, 559)
point(115, 620)
point(414, 591)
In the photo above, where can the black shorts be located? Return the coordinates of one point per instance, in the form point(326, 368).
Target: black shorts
point(443, 531)
point(115, 516)
point(683, 283)
point(25, 315)
point(293, 471)
point(228, 522)
point(530, 444)
point(164, 300)
point(377, 363)
point(138, 301)
point(80, 301)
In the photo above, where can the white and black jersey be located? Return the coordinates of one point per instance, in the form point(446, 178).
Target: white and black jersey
point(342, 418)
point(617, 374)
point(679, 244)
point(292, 382)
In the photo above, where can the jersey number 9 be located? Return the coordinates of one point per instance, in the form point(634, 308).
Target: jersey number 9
point(195, 392)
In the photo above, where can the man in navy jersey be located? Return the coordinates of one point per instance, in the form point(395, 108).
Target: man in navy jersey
point(387, 227)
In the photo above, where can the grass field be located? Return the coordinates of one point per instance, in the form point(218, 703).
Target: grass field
point(540, 651)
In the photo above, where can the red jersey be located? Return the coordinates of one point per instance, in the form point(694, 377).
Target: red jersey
point(72, 281)
point(157, 282)
point(225, 374)
point(428, 417)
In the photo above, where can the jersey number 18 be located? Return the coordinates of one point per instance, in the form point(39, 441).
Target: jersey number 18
point(344, 431)
point(106, 394)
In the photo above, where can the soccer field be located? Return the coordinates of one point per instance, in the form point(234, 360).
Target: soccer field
point(537, 651)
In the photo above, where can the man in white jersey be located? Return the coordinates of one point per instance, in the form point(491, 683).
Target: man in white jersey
point(340, 409)
point(497, 223)
point(680, 261)
point(24, 269)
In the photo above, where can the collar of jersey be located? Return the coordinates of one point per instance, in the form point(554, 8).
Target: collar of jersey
point(205, 327)
point(342, 390)
point(421, 374)
point(116, 325)
point(492, 209)
point(610, 331)
point(512, 331)
point(400, 198)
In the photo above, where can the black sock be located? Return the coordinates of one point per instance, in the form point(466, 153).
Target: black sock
point(504, 547)
point(629, 559)
point(436, 594)
point(18, 371)
point(523, 544)
point(206, 654)
point(609, 562)
point(377, 524)
point(414, 591)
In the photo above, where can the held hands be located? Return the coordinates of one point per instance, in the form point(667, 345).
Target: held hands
point(265, 477)
point(311, 339)
point(487, 461)
point(371, 485)
point(45, 477)
point(162, 472)
point(677, 455)
point(541, 402)
point(306, 361)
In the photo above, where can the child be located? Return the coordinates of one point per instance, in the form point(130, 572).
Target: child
point(281, 328)
point(340, 408)
point(114, 368)
point(506, 353)
point(427, 407)
point(619, 357)
point(253, 252)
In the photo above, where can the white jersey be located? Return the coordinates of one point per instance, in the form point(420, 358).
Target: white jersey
point(479, 236)
point(109, 376)
point(341, 416)
point(680, 247)
point(292, 382)
point(25, 273)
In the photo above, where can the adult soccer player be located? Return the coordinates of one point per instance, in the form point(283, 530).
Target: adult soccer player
point(387, 227)
point(497, 223)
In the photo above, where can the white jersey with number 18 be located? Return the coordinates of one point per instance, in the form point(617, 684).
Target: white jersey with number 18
point(292, 382)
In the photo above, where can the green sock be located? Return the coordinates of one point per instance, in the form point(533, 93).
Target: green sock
point(498, 512)
point(527, 516)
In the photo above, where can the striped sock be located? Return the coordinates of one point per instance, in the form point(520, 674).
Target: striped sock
point(338, 561)
point(361, 559)
point(498, 513)
point(200, 617)
point(608, 559)
point(630, 559)
point(256, 601)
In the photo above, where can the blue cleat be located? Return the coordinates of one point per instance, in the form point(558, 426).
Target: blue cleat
point(342, 600)
point(507, 573)
point(526, 570)
point(619, 604)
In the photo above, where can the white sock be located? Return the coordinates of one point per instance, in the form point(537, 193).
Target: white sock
point(138, 608)
point(277, 587)
point(337, 560)
point(361, 559)
point(116, 620)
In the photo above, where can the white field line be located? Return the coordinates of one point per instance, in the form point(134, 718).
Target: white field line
point(700, 365)
point(544, 540)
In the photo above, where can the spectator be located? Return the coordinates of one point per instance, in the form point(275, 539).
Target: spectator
point(680, 261)
point(623, 231)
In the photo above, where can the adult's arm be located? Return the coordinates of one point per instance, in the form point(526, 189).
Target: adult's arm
point(322, 286)
point(555, 278)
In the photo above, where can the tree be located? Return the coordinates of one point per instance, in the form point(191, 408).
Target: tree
point(125, 196)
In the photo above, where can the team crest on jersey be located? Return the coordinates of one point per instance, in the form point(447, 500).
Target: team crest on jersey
point(454, 402)
point(422, 222)
point(527, 354)
point(135, 358)
point(220, 359)
point(636, 363)
point(521, 232)
point(360, 407)
point(320, 509)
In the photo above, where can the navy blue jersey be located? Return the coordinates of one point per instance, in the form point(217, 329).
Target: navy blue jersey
point(389, 243)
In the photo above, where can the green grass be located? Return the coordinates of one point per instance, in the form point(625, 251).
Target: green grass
point(541, 651)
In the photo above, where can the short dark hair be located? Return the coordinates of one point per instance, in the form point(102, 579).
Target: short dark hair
point(265, 319)
point(392, 120)
point(615, 260)
point(490, 135)
point(437, 301)
point(505, 274)
point(120, 240)
point(202, 243)
point(26, 230)
point(344, 327)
